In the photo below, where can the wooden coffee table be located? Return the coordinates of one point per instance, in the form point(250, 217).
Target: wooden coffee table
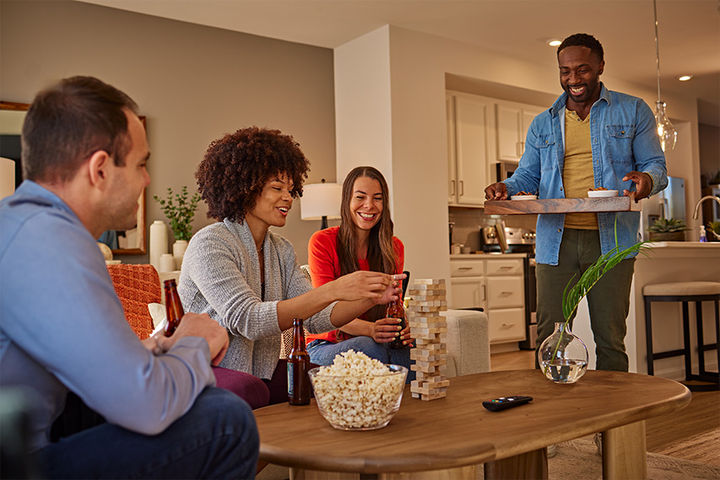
point(456, 433)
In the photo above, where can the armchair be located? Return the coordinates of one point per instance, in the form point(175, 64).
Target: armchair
point(139, 285)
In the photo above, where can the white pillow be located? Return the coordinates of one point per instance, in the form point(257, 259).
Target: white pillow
point(157, 312)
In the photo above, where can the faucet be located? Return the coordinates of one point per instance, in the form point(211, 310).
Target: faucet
point(697, 205)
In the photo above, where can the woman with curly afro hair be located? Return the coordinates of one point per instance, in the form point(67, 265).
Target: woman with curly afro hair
point(246, 277)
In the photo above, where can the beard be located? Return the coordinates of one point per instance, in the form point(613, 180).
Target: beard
point(591, 89)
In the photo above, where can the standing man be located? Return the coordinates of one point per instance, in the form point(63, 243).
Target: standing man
point(62, 327)
point(591, 137)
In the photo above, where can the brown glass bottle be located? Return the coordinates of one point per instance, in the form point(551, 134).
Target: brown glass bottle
point(173, 307)
point(395, 310)
point(297, 364)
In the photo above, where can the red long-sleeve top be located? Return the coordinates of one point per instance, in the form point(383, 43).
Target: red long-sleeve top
point(325, 267)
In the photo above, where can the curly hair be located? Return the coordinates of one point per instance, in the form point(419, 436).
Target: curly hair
point(583, 40)
point(237, 166)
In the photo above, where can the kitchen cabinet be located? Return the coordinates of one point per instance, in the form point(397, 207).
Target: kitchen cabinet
point(512, 122)
point(468, 127)
point(494, 283)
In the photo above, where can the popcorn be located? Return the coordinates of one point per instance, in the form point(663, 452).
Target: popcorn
point(357, 392)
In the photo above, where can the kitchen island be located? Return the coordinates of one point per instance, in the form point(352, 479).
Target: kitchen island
point(663, 262)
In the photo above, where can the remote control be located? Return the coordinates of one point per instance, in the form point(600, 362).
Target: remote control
point(503, 403)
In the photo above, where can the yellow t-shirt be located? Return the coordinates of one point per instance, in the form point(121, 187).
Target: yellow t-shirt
point(578, 169)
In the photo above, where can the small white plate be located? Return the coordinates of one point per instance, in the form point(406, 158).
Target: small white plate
point(602, 193)
point(523, 197)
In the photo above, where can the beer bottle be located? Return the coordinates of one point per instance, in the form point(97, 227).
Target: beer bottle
point(297, 364)
point(395, 310)
point(173, 308)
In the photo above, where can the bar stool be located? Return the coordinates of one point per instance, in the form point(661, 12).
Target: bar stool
point(685, 292)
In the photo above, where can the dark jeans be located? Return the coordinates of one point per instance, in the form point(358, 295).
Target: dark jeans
point(608, 301)
point(216, 438)
point(323, 352)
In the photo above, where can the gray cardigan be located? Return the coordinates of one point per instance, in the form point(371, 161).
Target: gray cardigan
point(221, 277)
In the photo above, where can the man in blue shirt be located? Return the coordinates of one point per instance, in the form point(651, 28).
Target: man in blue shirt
point(591, 137)
point(62, 327)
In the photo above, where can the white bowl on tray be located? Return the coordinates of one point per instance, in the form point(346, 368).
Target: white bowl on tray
point(602, 193)
point(523, 197)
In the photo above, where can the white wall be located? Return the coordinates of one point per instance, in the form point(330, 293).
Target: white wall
point(193, 83)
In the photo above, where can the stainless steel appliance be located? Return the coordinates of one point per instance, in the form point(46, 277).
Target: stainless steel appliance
point(519, 240)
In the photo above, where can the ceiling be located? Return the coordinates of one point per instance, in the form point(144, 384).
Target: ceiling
point(689, 30)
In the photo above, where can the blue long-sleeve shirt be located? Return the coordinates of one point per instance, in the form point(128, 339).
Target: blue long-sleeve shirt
point(624, 138)
point(62, 327)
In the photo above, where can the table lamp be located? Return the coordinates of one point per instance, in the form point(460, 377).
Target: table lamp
point(321, 201)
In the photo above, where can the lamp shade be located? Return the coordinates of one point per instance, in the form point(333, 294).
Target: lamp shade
point(320, 200)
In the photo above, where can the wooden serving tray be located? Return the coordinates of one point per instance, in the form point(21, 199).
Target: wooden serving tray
point(561, 205)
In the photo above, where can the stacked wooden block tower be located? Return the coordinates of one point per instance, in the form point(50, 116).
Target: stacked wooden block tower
point(429, 329)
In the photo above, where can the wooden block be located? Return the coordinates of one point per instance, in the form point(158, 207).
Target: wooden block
point(427, 303)
point(427, 290)
point(423, 322)
point(429, 281)
point(424, 308)
point(431, 339)
point(436, 376)
point(436, 379)
point(419, 355)
point(426, 333)
point(434, 396)
point(423, 354)
point(426, 368)
point(415, 395)
point(425, 297)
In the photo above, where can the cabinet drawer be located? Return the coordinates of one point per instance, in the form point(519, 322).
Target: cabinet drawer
point(506, 325)
point(505, 292)
point(504, 267)
point(466, 268)
point(467, 292)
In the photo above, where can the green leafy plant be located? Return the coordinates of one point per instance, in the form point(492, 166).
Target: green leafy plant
point(573, 294)
point(714, 229)
point(664, 225)
point(179, 208)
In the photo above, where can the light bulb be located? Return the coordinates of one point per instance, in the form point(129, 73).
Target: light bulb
point(665, 129)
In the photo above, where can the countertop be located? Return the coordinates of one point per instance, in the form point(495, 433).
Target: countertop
point(483, 255)
point(715, 245)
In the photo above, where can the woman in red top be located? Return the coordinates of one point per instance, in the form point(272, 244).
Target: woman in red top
point(363, 241)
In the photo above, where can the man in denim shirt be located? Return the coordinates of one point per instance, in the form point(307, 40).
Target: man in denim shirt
point(590, 138)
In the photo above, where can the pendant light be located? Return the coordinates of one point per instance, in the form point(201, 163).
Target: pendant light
point(665, 129)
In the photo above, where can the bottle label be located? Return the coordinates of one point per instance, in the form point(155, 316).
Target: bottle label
point(290, 380)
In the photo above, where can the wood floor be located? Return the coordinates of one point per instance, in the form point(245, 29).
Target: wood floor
point(702, 415)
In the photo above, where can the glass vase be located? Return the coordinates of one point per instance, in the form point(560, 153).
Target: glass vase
point(563, 357)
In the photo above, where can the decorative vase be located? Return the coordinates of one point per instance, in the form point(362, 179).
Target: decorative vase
point(158, 242)
point(563, 357)
point(179, 248)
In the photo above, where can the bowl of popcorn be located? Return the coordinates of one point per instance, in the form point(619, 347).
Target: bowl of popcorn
point(357, 392)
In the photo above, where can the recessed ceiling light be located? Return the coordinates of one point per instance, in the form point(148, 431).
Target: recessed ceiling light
point(554, 43)
point(685, 78)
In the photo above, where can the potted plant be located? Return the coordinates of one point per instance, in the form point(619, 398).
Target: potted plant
point(563, 357)
point(179, 208)
point(667, 230)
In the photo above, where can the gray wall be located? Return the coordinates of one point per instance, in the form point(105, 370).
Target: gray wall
point(193, 83)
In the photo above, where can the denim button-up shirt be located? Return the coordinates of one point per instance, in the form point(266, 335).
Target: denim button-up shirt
point(624, 138)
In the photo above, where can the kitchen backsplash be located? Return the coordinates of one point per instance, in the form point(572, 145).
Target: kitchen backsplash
point(469, 221)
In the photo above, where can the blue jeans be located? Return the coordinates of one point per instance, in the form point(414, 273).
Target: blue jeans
point(323, 352)
point(216, 438)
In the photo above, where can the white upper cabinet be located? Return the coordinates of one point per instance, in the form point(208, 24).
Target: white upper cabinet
point(468, 123)
point(513, 121)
